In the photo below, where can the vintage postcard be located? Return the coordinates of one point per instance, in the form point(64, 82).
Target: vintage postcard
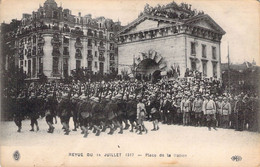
point(129, 83)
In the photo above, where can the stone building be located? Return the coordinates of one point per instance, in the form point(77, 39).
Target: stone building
point(54, 42)
point(170, 37)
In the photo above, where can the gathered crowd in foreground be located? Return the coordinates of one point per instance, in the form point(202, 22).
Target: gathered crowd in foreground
point(122, 105)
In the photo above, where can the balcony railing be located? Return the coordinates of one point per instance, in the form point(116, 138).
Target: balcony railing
point(90, 34)
point(55, 52)
point(78, 45)
point(90, 57)
point(41, 41)
point(101, 48)
point(66, 53)
point(78, 55)
point(29, 44)
point(55, 41)
point(89, 46)
point(101, 58)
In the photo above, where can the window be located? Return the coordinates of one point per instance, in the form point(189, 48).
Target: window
point(95, 43)
point(55, 14)
point(34, 50)
point(21, 63)
point(78, 40)
point(78, 64)
point(95, 64)
point(204, 52)
point(66, 40)
point(193, 49)
point(101, 68)
point(101, 43)
point(25, 63)
point(95, 53)
point(55, 65)
point(65, 50)
point(65, 67)
point(89, 42)
point(40, 65)
point(112, 57)
point(193, 65)
point(214, 69)
point(34, 67)
point(90, 65)
point(89, 52)
point(214, 56)
point(34, 39)
point(204, 66)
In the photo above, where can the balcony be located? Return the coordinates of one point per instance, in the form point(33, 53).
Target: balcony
point(78, 55)
point(89, 47)
point(90, 34)
point(56, 42)
point(101, 58)
point(78, 45)
point(55, 52)
point(29, 44)
point(77, 32)
point(90, 57)
point(41, 41)
point(40, 52)
point(101, 48)
point(66, 53)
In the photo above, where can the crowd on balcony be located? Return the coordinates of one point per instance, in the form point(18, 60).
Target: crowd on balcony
point(171, 10)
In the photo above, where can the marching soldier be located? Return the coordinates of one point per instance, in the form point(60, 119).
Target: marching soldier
point(50, 108)
point(33, 113)
point(65, 112)
point(131, 111)
point(19, 111)
point(155, 105)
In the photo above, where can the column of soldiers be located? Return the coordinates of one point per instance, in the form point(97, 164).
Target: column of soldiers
point(118, 106)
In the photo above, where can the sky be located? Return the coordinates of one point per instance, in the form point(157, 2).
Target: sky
point(239, 18)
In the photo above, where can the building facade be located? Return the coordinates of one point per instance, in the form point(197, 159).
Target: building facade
point(53, 42)
point(170, 37)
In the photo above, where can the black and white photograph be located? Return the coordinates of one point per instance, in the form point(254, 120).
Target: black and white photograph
point(129, 83)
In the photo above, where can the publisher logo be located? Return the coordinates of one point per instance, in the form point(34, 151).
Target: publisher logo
point(236, 158)
point(16, 155)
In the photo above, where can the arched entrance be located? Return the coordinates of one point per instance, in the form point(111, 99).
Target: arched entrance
point(148, 70)
point(156, 76)
point(148, 66)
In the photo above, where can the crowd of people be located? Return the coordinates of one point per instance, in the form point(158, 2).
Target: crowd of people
point(120, 105)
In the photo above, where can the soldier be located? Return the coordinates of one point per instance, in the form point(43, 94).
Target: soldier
point(140, 115)
point(239, 111)
point(197, 109)
point(131, 111)
point(65, 112)
point(210, 112)
point(75, 108)
point(218, 111)
point(84, 114)
point(205, 100)
point(19, 112)
point(122, 107)
point(178, 110)
point(50, 112)
point(98, 115)
point(111, 110)
point(186, 110)
point(33, 113)
point(225, 113)
point(155, 105)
